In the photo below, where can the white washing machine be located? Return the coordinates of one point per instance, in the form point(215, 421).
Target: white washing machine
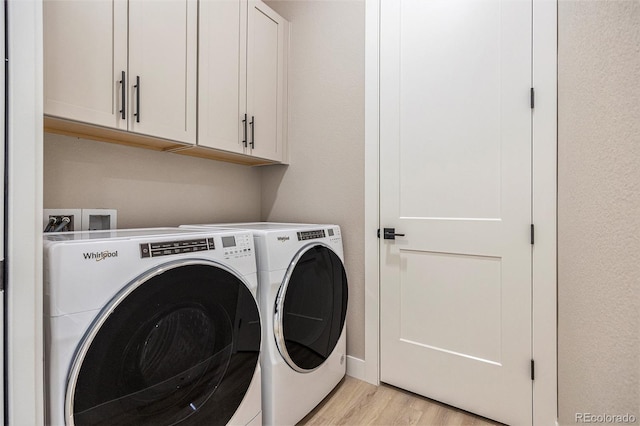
point(302, 292)
point(151, 327)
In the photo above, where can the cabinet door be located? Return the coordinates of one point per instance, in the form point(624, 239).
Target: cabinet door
point(265, 80)
point(85, 53)
point(222, 74)
point(162, 66)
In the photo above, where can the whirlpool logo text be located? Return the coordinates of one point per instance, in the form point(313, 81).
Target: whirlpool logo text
point(98, 256)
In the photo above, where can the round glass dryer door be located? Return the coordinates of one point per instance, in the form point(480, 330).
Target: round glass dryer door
point(178, 346)
point(311, 308)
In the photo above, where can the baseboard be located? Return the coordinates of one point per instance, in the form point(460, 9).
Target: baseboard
point(356, 368)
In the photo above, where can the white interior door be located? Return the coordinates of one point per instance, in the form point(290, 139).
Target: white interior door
point(455, 178)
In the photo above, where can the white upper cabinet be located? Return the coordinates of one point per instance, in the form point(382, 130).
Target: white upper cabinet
point(167, 74)
point(241, 106)
point(265, 81)
point(163, 68)
point(222, 75)
point(87, 52)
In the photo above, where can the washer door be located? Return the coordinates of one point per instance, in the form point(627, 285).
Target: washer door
point(311, 308)
point(180, 345)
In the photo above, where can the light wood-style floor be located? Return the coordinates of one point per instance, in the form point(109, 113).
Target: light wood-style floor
point(355, 402)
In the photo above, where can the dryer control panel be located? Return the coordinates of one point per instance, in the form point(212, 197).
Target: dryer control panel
point(332, 233)
point(311, 235)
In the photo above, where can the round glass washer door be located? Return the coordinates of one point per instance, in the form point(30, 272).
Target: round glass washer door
point(180, 345)
point(311, 308)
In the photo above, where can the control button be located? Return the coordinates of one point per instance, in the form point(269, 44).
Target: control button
point(144, 250)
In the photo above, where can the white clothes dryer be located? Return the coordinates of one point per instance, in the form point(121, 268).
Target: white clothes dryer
point(151, 327)
point(302, 293)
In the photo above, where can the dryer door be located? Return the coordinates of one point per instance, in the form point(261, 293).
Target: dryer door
point(179, 345)
point(311, 308)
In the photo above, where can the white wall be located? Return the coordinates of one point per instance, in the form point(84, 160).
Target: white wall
point(148, 188)
point(598, 208)
point(325, 181)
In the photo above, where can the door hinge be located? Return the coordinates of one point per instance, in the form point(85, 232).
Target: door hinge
point(378, 232)
point(533, 370)
point(532, 234)
point(533, 98)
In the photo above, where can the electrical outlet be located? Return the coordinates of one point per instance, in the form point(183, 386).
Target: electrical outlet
point(99, 219)
point(74, 224)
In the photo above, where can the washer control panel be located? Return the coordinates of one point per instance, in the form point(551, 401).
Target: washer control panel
point(235, 246)
point(166, 248)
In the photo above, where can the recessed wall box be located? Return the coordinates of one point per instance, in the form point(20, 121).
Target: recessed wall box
point(74, 224)
point(99, 219)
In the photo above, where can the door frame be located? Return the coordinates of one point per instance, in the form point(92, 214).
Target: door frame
point(24, 339)
point(544, 190)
